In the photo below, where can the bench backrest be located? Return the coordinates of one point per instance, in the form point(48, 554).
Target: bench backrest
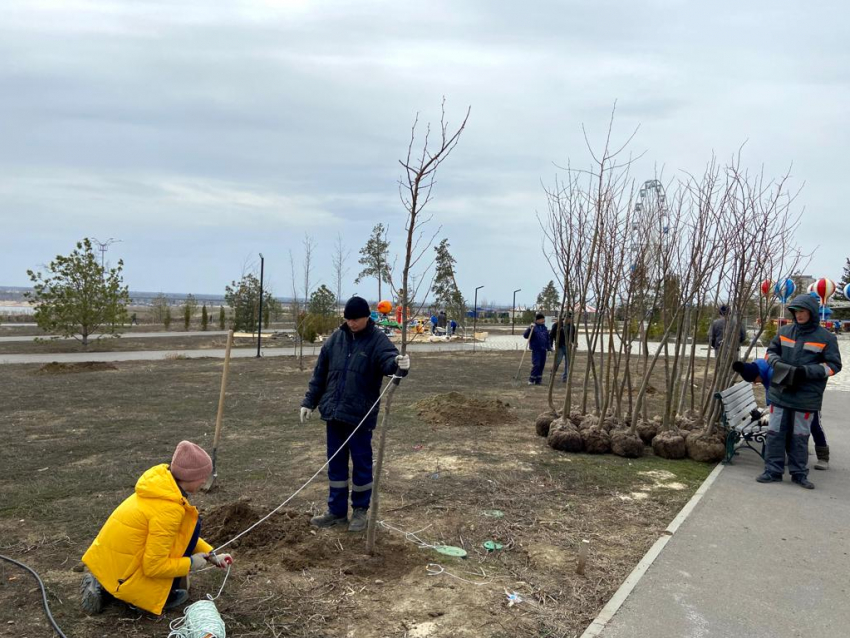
point(738, 401)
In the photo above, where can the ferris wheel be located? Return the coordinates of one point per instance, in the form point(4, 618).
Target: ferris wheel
point(650, 224)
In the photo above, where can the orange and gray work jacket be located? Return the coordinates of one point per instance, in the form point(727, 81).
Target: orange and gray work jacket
point(810, 347)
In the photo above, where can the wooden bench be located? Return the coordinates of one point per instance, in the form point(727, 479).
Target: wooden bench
point(741, 430)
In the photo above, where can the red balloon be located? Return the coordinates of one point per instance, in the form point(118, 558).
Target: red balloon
point(766, 287)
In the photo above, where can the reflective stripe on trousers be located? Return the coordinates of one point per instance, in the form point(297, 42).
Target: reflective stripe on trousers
point(359, 451)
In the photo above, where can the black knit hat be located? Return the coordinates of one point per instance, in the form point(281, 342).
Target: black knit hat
point(356, 308)
point(540, 315)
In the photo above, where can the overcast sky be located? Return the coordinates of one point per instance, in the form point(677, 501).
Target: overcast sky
point(203, 133)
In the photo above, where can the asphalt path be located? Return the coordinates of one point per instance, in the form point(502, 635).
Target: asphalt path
point(125, 335)
point(761, 561)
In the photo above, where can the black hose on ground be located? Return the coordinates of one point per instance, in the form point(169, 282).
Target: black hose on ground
point(43, 592)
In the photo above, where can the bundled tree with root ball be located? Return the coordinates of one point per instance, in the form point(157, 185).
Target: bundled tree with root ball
point(76, 296)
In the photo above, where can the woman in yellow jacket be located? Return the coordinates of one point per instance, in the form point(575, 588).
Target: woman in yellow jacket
point(152, 541)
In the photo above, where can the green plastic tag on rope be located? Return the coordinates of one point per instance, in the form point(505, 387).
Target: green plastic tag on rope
point(492, 546)
point(450, 550)
point(493, 513)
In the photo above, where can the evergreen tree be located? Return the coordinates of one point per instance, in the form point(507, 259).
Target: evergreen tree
point(549, 300)
point(447, 295)
point(221, 318)
point(845, 279)
point(205, 317)
point(190, 307)
point(77, 296)
point(374, 258)
point(244, 298)
point(158, 308)
point(166, 320)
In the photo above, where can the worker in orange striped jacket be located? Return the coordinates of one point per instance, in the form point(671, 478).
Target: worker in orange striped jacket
point(803, 356)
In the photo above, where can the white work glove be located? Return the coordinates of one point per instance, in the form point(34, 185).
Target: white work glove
point(199, 561)
point(305, 414)
point(221, 560)
point(403, 361)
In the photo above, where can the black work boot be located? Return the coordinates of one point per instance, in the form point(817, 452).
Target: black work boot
point(822, 452)
point(359, 520)
point(767, 477)
point(176, 598)
point(93, 596)
point(803, 482)
point(328, 520)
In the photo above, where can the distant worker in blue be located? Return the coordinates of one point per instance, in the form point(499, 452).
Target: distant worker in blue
point(346, 383)
point(453, 327)
point(434, 321)
point(538, 342)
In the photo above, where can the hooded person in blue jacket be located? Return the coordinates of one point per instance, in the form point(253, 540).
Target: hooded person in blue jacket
point(346, 383)
point(538, 342)
point(803, 356)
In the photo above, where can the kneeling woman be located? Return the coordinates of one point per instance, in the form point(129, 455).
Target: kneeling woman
point(151, 542)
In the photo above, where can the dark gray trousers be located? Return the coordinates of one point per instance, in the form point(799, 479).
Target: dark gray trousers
point(788, 434)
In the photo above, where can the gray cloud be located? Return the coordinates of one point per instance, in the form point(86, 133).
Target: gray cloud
point(202, 134)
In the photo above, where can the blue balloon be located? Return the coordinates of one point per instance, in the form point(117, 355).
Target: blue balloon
point(847, 291)
point(784, 289)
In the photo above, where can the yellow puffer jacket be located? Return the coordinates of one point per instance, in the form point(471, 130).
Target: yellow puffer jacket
point(139, 550)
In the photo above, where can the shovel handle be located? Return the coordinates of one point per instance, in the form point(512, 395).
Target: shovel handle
point(220, 413)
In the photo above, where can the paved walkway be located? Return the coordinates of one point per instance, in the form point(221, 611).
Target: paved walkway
point(761, 561)
point(125, 335)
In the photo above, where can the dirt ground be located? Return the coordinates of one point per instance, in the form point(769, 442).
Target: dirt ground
point(76, 443)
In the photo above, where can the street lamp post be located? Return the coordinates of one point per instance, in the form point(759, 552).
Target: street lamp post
point(260, 321)
point(103, 246)
point(513, 310)
point(475, 316)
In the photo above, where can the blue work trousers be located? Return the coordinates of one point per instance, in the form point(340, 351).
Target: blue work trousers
point(359, 450)
point(561, 355)
point(788, 435)
point(538, 362)
point(817, 431)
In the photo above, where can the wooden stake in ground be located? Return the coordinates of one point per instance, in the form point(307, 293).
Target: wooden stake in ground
point(583, 551)
point(415, 192)
point(220, 414)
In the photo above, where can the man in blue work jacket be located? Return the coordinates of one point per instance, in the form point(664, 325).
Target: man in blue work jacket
point(345, 386)
point(538, 343)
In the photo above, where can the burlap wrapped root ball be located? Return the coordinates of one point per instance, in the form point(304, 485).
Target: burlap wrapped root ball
point(564, 437)
point(626, 444)
point(588, 421)
point(670, 444)
point(596, 440)
point(647, 430)
point(576, 418)
point(544, 421)
point(705, 448)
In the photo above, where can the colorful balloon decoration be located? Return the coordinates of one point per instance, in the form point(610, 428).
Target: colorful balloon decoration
point(847, 292)
point(385, 307)
point(784, 289)
point(766, 287)
point(825, 289)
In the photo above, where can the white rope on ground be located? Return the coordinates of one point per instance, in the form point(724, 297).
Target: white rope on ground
point(319, 471)
point(433, 569)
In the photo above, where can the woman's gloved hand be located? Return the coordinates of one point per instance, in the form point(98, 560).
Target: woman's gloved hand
point(221, 560)
point(199, 561)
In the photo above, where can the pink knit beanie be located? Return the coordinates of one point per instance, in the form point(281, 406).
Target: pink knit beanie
point(190, 462)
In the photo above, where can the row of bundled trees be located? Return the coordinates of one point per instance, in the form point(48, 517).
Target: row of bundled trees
point(654, 262)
